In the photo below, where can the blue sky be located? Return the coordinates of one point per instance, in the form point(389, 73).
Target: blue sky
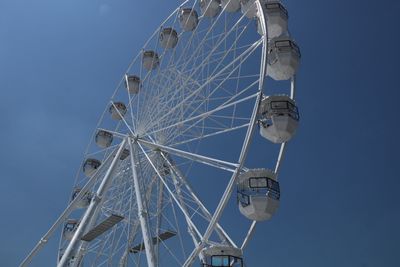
point(59, 61)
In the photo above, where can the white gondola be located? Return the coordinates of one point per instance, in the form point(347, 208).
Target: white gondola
point(188, 19)
point(283, 58)
point(277, 19)
point(210, 8)
point(230, 5)
point(103, 138)
point(150, 60)
point(279, 118)
point(258, 194)
point(249, 8)
point(132, 83)
point(222, 256)
point(117, 110)
point(69, 228)
point(125, 153)
point(200, 89)
point(84, 201)
point(90, 167)
point(168, 38)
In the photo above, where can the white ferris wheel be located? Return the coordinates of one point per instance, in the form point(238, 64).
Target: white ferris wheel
point(168, 155)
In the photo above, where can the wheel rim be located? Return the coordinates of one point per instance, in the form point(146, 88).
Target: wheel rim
point(203, 92)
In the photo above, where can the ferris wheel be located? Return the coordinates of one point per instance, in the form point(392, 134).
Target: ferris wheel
point(168, 155)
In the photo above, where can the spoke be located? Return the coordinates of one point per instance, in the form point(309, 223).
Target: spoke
point(206, 114)
point(159, 218)
point(229, 189)
point(43, 241)
point(183, 180)
point(136, 223)
point(202, 91)
point(122, 118)
point(191, 231)
point(243, 56)
point(212, 134)
point(142, 212)
point(187, 217)
point(90, 214)
point(224, 165)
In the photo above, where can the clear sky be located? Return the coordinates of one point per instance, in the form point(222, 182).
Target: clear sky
point(60, 60)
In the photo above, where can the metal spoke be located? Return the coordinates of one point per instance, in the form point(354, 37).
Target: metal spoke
point(194, 99)
point(224, 165)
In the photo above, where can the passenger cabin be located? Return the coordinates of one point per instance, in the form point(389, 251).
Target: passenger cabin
point(258, 194)
point(85, 199)
point(230, 5)
point(276, 16)
point(125, 153)
point(283, 58)
point(279, 118)
point(132, 83)
point(90, 167)
point(249, 8)
point(69, 228)
point(103, 138)
point(117, 110)
point(188, 19)
point(222, 256)
point(150, 60)
point(210, 8)
point(168, 38)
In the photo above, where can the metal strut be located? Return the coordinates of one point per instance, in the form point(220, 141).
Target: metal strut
point(220, 231)
point(142, 213)
point(94, 204)
point(65, 214)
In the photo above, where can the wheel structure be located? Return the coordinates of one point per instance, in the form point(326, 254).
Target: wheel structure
point(165, 171)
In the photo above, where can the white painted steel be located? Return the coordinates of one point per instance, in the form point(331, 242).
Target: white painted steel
point(230, 5)
point(277, 168)
point(174, 196)
point(183, 180)
point(142, 212)
point(64, 215)
point(92, 208)
point(189, 87)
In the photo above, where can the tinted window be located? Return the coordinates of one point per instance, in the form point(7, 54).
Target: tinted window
point(258, 182)
point(220, 261)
